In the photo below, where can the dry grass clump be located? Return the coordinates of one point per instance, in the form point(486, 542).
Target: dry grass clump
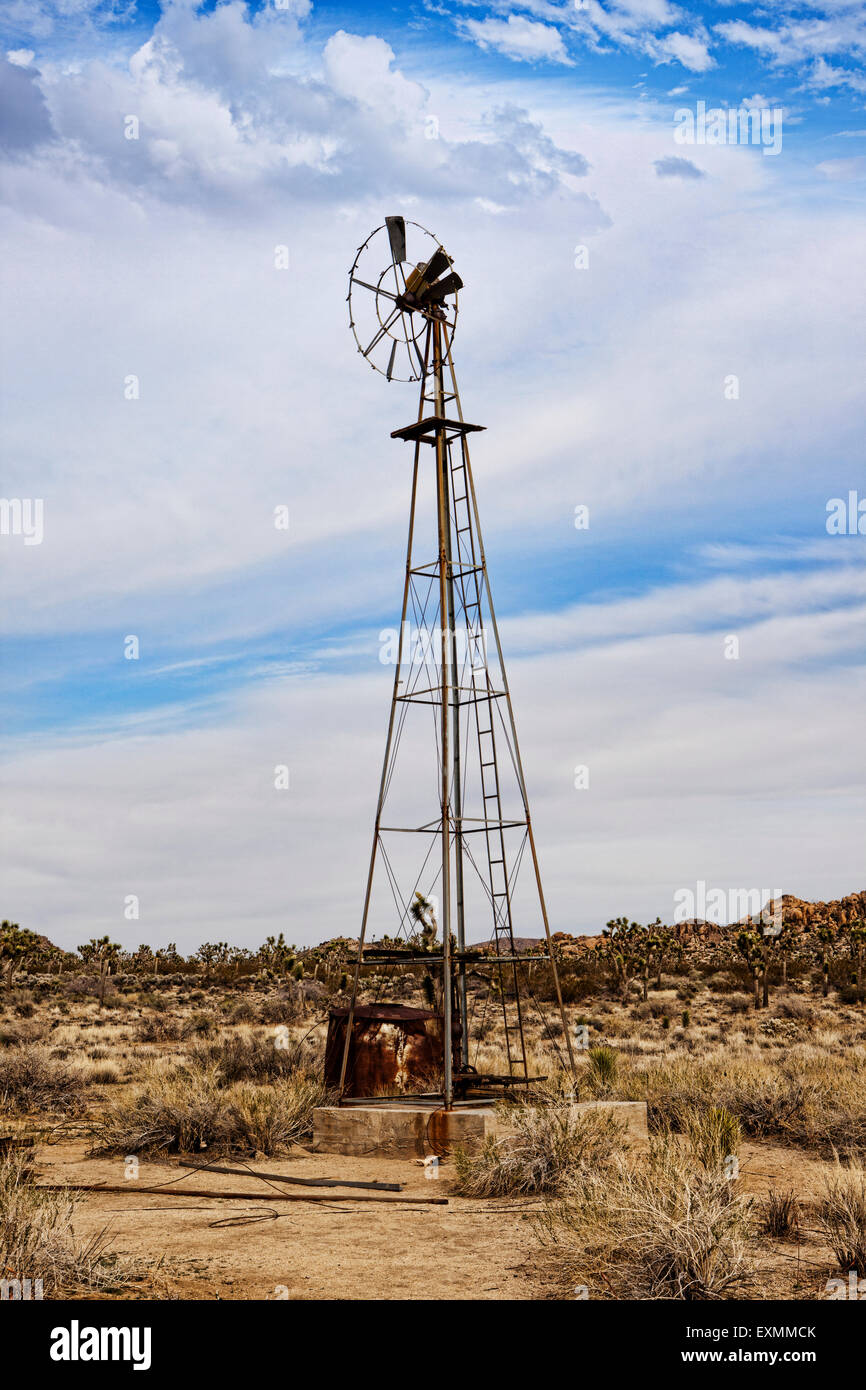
point(714, 1135)
point(37, 1241)
point(32, 1080)
point(543, 1150)
point(781, 1214)
point(279, 1008)
point(603, 1070)
point(807, 1097)
point(191, 1108)
point(251, 1057)
point(667, 1229)
point(841, 1211)
point(159, 1029)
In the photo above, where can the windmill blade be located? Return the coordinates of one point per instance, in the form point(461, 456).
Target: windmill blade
point(390, 370)
point(434, 294)
point(424, 275)
point(438, 262)
point(397, 237)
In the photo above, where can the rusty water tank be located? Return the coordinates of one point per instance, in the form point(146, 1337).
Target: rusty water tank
point(393, 1049)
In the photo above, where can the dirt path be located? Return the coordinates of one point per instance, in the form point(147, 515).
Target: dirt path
point(333, 1250)
point(470, 1249)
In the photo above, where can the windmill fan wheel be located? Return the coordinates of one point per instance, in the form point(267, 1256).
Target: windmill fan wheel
point(393, 294)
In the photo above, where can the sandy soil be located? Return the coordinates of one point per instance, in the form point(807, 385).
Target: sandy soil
point(339, 1249)
point(313, 1250)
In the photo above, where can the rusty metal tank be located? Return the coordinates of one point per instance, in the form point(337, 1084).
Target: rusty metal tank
point(393, 1049)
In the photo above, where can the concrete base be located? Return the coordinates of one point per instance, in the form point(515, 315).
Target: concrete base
point(399, 1131)
point(410, 1131)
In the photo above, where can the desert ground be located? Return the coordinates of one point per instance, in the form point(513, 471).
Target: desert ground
point(752, 1185)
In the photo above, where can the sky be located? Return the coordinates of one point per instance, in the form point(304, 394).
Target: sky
point(660, 326)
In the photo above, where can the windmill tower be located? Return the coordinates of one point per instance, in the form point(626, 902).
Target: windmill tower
point(459, 822)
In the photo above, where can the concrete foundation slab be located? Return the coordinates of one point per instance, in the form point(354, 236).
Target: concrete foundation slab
point(410, 1131)
point(400, 1131)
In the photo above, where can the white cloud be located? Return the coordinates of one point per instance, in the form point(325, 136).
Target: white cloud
point(518, 38)
point(361, 68)
point(699, 768)
point(691, 52)
point(844, 170)
point(156, 257)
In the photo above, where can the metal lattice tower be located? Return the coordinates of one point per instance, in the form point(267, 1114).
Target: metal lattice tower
point(448, 660)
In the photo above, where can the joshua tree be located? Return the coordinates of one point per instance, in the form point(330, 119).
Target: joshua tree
point(101, 953)
point(16, 944)
point(751, 947)
point(422, 912)
point(825, 939)
point(657, 945)
point(630, 949)
point(855, 931)
point(783, 943)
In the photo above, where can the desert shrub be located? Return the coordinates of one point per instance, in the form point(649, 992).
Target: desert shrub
point(246, 1057)
point(37, 1239)
point(739, 1002)
point(16, 1034)
point(796, 1008)
point(780, 1215)
point(82, 986)
point(279, 1008)
point(541, 1153)
point(243, 1012)
point(189, 1110)
point(200, 1024)
point(813, 1101)
point(668, 1229)
point(148, 1000)
point(158, 1030)
point(721, 982)
point(267, 1119)
point(31, 1080)
point(841, 1211)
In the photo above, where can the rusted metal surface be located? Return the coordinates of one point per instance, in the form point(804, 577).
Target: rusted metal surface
point(392, 1048)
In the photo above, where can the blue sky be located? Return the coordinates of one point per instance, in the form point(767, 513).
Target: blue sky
point(520, 133)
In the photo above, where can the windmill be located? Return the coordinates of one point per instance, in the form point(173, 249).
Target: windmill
point(466, 803)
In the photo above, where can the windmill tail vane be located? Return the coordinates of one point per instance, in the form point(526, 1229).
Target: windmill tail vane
point(453, 843)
